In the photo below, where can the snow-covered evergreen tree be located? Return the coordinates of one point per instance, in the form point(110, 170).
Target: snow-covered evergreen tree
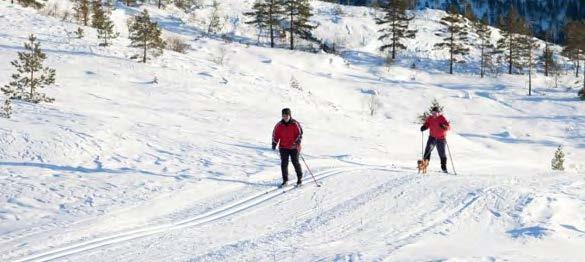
point(30, 74)
point(395, 26)
point(7, 108)
point(558, 160)
point(455, 36)
point(145, 34)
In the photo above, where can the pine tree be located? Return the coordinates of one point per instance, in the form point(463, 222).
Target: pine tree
point(528, 46)
point(509, 44)
point(581, 94)
point(484, 33)
point(558, 160)
point(81, 10)
point(30, 74)
point(266, 15)
point(145, 34)
point(106, 31)
point(455, 34)
point(395, 26)
point(258, 16)
point(298, 13)
point(575, 46)
point(98, 18)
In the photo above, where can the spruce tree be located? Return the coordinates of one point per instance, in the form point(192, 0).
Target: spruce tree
point(484, 33)
point(106, 31)
point(81, 10)
point(145, 34)
point(30, 74)
point(395, 26)
point(455, 37)
point(558, 160)
point(99, 14)
point(298, 13)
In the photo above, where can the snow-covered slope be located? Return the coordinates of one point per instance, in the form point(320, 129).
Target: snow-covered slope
point(120, 168)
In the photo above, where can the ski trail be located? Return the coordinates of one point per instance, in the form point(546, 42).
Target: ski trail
point(212, 215)
point(311, 224)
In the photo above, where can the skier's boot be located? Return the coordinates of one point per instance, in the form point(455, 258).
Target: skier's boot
point(444, 165)
point(299, 183)
point(283, 183)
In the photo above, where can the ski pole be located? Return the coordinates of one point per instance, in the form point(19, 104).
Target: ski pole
point(422, 144)
point(451, 157)
point(310, 172)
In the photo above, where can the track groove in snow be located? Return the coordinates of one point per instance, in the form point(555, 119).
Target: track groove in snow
point(212, 215)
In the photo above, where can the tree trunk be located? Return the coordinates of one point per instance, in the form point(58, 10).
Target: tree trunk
point(482, 67)
point(530, 81)
point(584, 77)
point(144, 54)
point(271, 17)
point(292, 38)
point(32, 84)
point(546, 59)
point(577, 69)
point(451, 51)
point(159, 3)
point(510, 60)
point(394, 38)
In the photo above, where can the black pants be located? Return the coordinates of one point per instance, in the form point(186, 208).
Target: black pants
point(440, 144)
point(294, 156)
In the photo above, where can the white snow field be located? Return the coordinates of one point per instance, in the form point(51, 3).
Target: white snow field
point(119, 168)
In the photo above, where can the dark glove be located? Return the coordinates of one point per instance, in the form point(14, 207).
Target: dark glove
point(443, 126)
point(423, 128)
point(273, 146)
point(298, 146)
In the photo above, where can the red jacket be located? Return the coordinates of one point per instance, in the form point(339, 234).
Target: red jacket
point(289, 134)
point(438, 126)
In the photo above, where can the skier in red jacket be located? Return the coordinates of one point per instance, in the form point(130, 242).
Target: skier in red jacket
point(288, 134)
point(438, 126)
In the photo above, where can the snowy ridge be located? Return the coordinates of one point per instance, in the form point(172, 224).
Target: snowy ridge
point(122, 169)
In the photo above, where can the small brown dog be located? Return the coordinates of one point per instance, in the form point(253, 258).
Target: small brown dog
point(422, 166)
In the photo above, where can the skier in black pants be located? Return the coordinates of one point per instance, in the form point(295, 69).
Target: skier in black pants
point(288, 134)
point(438, 126)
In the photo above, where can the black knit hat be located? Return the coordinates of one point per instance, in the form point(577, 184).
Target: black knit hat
point(286, 111)
point(436, 109)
